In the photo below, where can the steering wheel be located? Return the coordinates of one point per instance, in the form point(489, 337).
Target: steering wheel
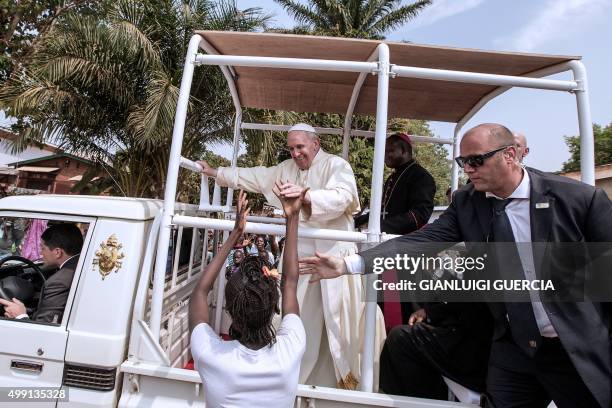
point(14, 284)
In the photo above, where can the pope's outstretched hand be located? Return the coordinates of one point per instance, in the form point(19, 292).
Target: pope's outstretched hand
point(322, 266)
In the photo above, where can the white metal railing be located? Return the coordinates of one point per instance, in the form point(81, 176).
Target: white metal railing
point(348, 118)
point(289, 63)
point(265, 220)
point(190, 165)
point(206, 204)
point(382, 101)
point(485, 79)
point(269, 229)
point(339, 131)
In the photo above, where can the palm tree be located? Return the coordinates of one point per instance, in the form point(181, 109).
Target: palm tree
point(370, 19)
point(106, 86)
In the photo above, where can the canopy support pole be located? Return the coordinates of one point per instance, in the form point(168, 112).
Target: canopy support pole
point(382, 100)
point(348, 118)
point(585, 123)
point(170, 191)
point(230, 75)
point(454, 166)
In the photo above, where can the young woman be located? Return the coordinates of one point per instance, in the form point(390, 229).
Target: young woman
point(258, 364)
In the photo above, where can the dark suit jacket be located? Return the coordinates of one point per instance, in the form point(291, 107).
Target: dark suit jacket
point(411, 202)
point(576, 212)
point(54, 294)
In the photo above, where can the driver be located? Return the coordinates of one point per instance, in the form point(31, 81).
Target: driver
point(60, 248)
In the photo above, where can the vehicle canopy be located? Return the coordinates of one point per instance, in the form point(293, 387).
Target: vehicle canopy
point(304, 90)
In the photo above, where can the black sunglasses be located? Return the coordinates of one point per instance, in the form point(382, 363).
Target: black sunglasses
point(477, 160)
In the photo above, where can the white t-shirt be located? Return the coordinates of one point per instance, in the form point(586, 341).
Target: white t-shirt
point(236, 376)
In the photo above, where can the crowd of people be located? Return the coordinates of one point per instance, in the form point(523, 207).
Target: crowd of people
point(515, 354)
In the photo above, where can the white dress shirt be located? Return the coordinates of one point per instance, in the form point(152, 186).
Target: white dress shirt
point(518, 214)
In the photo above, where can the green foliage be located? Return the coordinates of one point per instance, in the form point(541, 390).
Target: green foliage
point(351, 18)
point(603, 148)
point(106, 86)
point(434, 158)
point(23, 22)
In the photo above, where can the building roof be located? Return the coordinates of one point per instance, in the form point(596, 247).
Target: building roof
point(8, 171)
point(330, 91)
point(603, 171)
point(7, 134)
point(51, 157)
point(36, 169)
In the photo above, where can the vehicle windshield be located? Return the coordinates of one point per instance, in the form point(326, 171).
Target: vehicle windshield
point(33, 253)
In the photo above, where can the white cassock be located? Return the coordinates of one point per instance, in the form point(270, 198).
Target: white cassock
point(333, 355)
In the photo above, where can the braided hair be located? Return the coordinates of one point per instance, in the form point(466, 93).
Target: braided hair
point(251, 298)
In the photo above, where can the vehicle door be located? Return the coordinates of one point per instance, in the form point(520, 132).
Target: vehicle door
point(32, 352)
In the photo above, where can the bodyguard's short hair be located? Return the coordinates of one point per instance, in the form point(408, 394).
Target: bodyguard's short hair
point(502, 135)
point(65, 236)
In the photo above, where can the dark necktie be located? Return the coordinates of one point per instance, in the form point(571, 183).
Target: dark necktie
point(522, 321)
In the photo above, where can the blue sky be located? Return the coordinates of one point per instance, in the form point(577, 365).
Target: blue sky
point(566, 27)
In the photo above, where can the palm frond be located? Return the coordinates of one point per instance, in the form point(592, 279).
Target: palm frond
point(303, 15)
point(398, 17)
point(153, 122)
point(225, 15)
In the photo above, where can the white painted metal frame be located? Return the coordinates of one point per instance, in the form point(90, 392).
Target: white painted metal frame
point(485, 79)
point(295, 63)
point(587, 141)
point(268, 229)
point(348, 118)
point(340, 131)
point(382, 100)
point(171, 180)
point(384, 70)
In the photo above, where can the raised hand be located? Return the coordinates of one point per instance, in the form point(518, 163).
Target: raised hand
point(322, 266)
point(291, 190)
point(291, 203)
point(242, 211)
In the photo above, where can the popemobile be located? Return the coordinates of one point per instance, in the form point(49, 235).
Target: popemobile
point(122, 338)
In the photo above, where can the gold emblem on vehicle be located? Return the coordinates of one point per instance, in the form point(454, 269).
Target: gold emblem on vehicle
point(108, 257)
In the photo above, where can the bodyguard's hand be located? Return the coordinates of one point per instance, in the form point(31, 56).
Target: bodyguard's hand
point(13, 309)
point(417, 317)
point(322, 266)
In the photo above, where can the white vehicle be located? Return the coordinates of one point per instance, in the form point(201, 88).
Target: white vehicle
point(123, 338)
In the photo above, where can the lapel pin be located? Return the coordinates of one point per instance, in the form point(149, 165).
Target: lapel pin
point(539, 206)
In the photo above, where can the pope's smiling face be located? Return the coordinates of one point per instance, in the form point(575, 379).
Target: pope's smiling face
point(303, 148)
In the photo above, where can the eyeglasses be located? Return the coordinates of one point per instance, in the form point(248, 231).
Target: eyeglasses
point(477, 160)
